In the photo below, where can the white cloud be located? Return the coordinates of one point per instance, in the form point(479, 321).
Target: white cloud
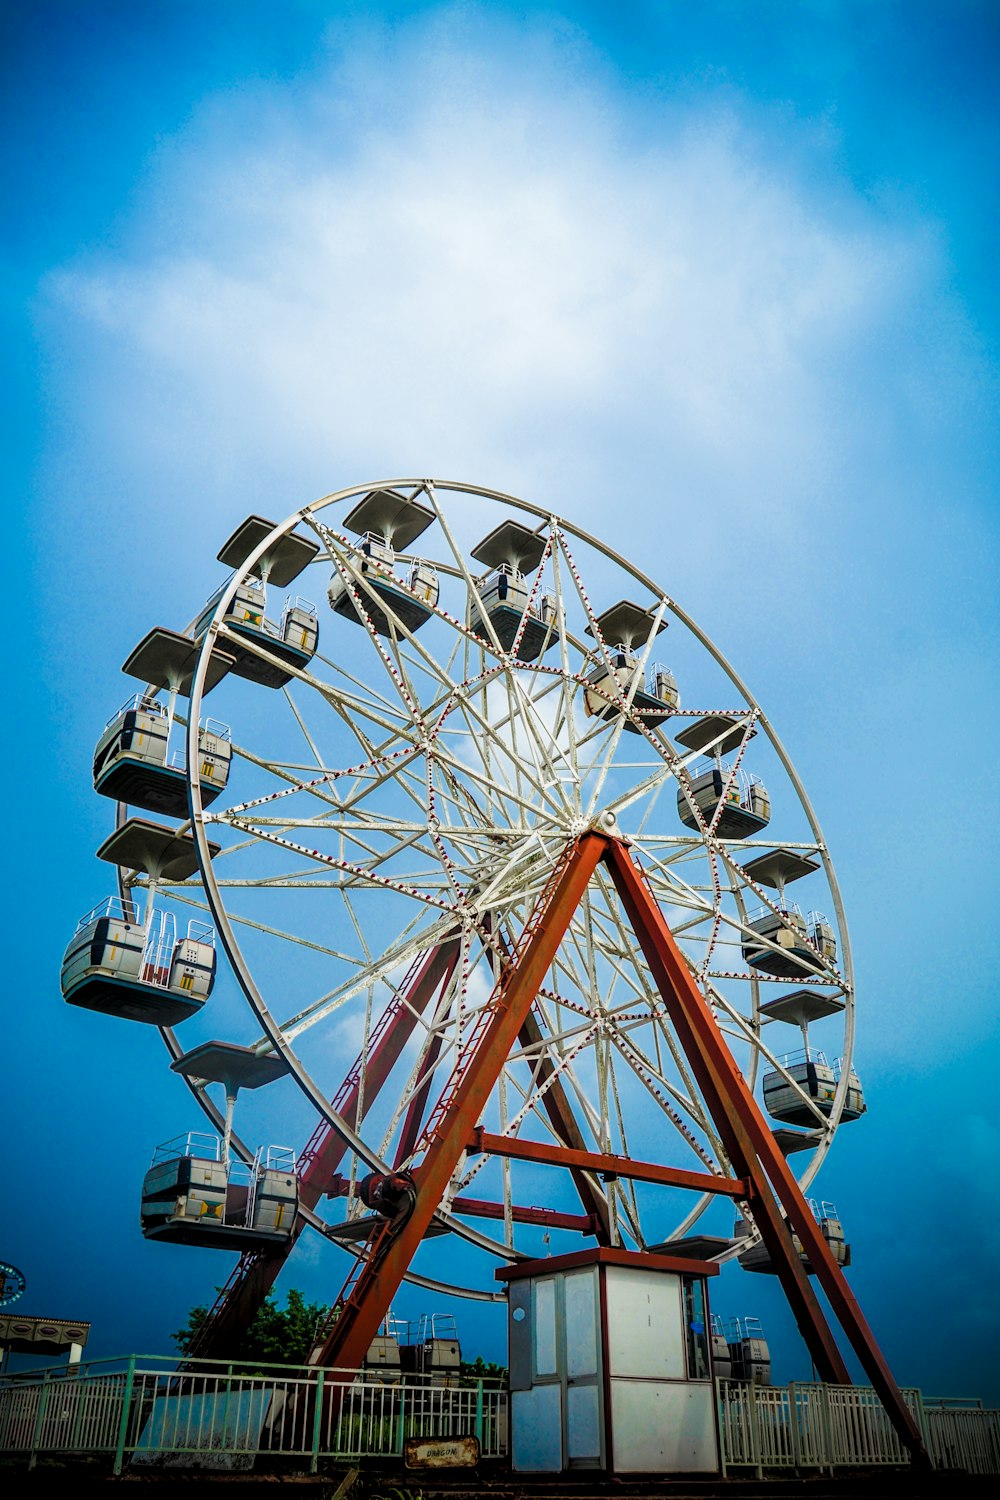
point(480, 273)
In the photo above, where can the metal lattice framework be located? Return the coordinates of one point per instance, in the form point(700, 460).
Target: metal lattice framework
point(395, 816)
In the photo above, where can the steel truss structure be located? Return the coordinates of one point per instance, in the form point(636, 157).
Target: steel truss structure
point(427, 864)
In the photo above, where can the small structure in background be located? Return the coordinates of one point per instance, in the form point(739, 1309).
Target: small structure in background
point(757, 1257)
point(427, 1348)
point(722, 1359)
point(433, 1350)
point(22, 1334)
point(749, 1355)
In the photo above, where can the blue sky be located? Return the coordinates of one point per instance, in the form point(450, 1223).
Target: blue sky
point(720, 282)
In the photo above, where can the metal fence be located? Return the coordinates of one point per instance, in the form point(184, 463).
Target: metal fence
point(148, 1411)
point(828, 1427)
point(144, 1410)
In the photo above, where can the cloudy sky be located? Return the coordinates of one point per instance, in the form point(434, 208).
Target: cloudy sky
point(718, 282)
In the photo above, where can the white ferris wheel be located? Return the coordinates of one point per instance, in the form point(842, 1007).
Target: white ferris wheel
point(346, 785)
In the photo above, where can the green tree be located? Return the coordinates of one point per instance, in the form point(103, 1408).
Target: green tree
point(484, 1369)
point(277, 1335)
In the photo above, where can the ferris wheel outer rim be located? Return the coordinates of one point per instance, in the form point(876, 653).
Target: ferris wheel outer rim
point(271, 1028)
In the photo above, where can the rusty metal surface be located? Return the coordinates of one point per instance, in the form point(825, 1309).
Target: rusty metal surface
point(441, 1453)
point(608, 1255)
point(593, 1161)
point(766, 1179)
point(460, 1105)
point(756, 1155)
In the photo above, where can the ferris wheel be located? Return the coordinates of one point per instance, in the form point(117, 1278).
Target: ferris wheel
point(461, 688)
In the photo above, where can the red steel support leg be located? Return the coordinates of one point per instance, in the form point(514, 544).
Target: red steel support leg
point(459, 1107)
point(754, 1153)
point(410, 1133)
point(556, 1104)
point(257, 1270)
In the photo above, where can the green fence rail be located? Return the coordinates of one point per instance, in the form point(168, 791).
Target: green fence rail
point(151, 1411)
point(145, 1410)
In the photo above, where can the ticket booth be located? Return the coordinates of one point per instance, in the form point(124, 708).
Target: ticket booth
point(610, 1364)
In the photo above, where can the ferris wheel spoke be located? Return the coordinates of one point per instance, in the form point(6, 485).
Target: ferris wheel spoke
point(666, 1095)
point(368, 972)
point(364, 692)
point(625, 1194)
point(619, 729)
point(519, 707)
point(507, 753)
point(251, 923)
point(453, 761)
point(532, 1096)
point(638, 980)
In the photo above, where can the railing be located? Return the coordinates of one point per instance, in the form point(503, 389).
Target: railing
point(963, 1438)
point(142, 703)
point(144, 1410)
point(814, 1426)
point(148, 1411)
point(115, 908)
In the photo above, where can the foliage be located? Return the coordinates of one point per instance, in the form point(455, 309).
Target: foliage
point(483, 1369)
point(277, 1335)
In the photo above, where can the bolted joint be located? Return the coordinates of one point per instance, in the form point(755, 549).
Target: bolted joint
point(391, 1194)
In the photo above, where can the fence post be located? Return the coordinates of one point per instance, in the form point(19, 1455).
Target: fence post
point(123, 1424)
point(43, 1401)
point(79, 1406)
point(924, 1425)
point(753, 1413)
point(401, 1420)
point(317, 1422)
point(793, 1424)
point(479, 1414)
point(826, 1427)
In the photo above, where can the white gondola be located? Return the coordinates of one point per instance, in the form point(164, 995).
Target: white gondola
point(746, 807)
point(758, 1257)
point(434, 1350)
point(749, 1355)
point(292, 640)
point(506, 603)
point(121, 966)
point(615, 687)
point(792, 944)
point(409, 596)
point(622, 678)
point(506, 607)
point(133, 762)
point(383, 1362)
point(822, 936)
point(193, 1194)
point(391, 590)
point(722, 1359)
point(807, 1083)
